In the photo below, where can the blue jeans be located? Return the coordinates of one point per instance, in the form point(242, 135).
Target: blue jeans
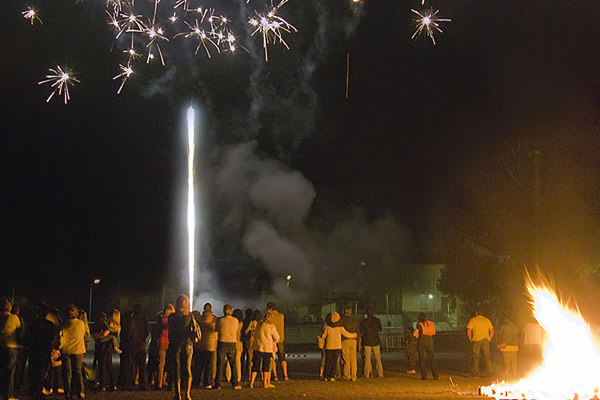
point(8, 363)
point(226, 351)
point(72, 365)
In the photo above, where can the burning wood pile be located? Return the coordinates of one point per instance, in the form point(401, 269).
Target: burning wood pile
point(571, 366)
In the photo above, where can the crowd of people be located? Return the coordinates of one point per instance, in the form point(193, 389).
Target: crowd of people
point(187, 349)
point(510, 341)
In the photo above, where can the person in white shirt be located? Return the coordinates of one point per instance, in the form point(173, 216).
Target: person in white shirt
point(227, 328)
point(265, 342)
point(72, 338)
point(532, 344)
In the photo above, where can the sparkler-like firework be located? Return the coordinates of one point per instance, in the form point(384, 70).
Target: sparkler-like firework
point(427, 23)
point(61, 79)
point(139, 26)
point(271, 26)
point(32, 15)
point(126, 72)
point(191, 208)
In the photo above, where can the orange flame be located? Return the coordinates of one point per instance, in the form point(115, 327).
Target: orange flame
point(571, 366)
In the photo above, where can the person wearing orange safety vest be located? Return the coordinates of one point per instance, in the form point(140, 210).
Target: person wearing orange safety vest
point(424, 334)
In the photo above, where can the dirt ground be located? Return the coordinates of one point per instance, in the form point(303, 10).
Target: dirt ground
point(305, 384)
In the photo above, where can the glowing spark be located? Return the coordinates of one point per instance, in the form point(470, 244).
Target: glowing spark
point(271, 26)
point(126, 72)
point(180, 3)
point(61, 79)
point(155, 34)
point(427, 23)
point(131, 23)
point(116, 5)
point(114, 21)
point(31, 15)
point(209, 29)
point(195, 31)
point(191, 208)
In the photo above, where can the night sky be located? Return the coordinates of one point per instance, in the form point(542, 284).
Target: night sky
point(484, 136)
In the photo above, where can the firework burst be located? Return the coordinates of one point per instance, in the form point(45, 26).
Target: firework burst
point(60, 79)
point(126, 72)
point(271, 26)
point(427, 23)
point(145, 29)
point(32, 15)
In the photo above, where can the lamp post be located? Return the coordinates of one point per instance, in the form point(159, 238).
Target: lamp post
point(432, 306)
point(287, 280)
point(92, 283)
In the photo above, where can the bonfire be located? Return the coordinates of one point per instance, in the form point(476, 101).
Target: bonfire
point(571, 366)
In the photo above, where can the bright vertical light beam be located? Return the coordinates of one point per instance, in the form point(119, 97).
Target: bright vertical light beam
point(191, 208)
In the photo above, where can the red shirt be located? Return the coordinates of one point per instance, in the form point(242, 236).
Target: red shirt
point(164, 337)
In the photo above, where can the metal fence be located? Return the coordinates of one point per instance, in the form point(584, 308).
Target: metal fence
point(446, 341)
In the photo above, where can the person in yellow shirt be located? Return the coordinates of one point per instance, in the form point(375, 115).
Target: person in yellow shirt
point(279, 321)
point(480, 331)
point(10, 326)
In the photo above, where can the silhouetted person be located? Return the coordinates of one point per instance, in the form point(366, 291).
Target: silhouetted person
point(349, 345)
point(370, 342)
point(161, 336)
point(207, 349)
point(508, 343)
point(181, 347)
point(38, 339)
point(9, 348)
point(126, 366)
point(425, 332)
point(106, 343)
point(245, 337)
point(138, 333)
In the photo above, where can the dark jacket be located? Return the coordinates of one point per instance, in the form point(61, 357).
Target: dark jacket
point(369, 331)
point(179, 330)
point(138, 333)
point(350, 324)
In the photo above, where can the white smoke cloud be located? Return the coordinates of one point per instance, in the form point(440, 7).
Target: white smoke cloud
point(286, 195)
point(280, 254)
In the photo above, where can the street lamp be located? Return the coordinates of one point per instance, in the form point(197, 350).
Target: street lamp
point(432, 306)
point(287, 280)
point(92, 283)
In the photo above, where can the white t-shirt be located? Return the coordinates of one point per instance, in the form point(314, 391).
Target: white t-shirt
point(227, 328)
point(532, 333)
point(266, 337)
point(72, 336)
